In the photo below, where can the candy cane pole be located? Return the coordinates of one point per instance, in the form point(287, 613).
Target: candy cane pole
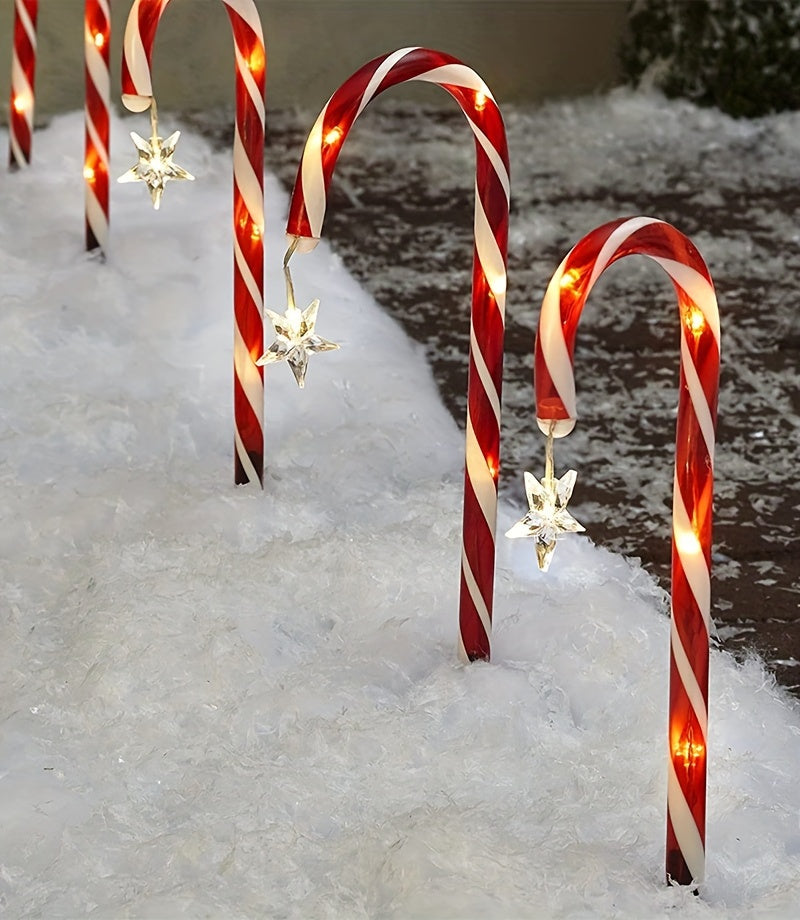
point(248, 205)
point(306, 214)
point(23, 71)
point(96, 43)
point(693, 486)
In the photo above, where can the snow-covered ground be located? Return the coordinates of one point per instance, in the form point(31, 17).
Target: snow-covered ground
point(222, 702)
point(400, 217)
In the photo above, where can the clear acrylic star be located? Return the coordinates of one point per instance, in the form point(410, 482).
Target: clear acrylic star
point(295, 339)
point(155, 167)
point(547, 516)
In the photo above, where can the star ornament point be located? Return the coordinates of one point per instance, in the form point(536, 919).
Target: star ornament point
point(547, 515)
point(295, 340)
point(155, 167)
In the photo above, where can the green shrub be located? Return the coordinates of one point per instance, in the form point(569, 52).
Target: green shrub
point(742, 56)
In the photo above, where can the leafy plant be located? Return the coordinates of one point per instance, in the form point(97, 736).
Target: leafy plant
point(742, 56)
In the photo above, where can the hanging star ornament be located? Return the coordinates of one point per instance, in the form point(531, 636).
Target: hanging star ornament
point(295, 339)
point(547, 516)
point(155, 167)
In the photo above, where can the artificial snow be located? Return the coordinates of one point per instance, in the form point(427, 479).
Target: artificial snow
point(223, 702)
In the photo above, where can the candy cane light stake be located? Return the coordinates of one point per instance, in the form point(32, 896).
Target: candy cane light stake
point(248, 204)
point(97, 33)
point(693, 486)
point(23, 72)
point(306, 215)
point(97, 45)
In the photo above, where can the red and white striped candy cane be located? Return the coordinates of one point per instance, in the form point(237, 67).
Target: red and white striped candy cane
point(23, 72)
point(97, 45)
point(306, 214)
point(248, 205)
point(693, 486)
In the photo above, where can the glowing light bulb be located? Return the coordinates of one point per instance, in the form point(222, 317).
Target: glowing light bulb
point(21, 103)
point(687, 543)
point(569, 280)
point(334, 135)
point(255, 60)
point(480, 100)
point(491, 463)
point(687, 752)
point(88, 173)
point(695, 320)
point(99, 39)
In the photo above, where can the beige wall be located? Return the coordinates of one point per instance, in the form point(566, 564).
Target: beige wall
point(524, 49)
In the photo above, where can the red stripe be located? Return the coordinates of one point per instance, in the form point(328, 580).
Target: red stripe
point(97, 110)
point(22, 133)
point(478, 541)
point(473, 635)
point(96, 20)
point(250, 432)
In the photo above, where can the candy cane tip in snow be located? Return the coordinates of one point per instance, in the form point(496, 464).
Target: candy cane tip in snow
point(692, 487)
point(295, 332)
point(306, 216)
point(155, 167)
point(23, 72)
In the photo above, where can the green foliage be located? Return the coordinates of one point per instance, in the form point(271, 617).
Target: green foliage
point(742, 56)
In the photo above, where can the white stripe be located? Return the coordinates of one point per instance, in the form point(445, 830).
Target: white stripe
point(489, 255)
point(688, 678)
point(694, 563)
point(697, 288)
point(96, 218)
point(250, 83)
point(698, 397)
point(105, 8)
point(456, 75)
point(247, 182)
point(312, 178)
point(475, 594)
point(553, 344)
point(27, 23)
point(481, 478)
point(246, 9)
point(244, 457)
point(247, 275)
point(686, 832)
point(612, 244)
point(377, 78)
point(248, 375)
point(494, 158)
point(485, 376)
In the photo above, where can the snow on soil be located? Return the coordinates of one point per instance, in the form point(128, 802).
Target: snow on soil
point(219, 702)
